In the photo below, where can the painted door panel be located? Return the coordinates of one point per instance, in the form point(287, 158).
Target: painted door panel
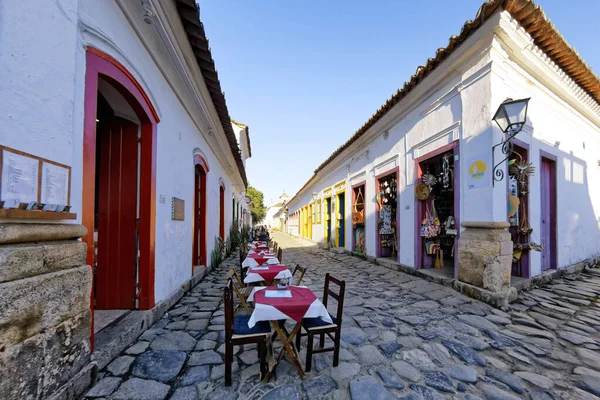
point(548, 209)
point(328, 205)
point(341, 231)
point(117, 207)
point(199, 250)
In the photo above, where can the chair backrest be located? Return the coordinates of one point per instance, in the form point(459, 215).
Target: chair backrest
point(228, 303)
point(301, 271)
point(339, 296)
point(275, 247)
point(280, 255)
point(243, 255)
point(231, 275)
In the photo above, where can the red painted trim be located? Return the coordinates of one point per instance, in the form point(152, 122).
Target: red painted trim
point(99, 64)
point(361, 183)
point(549, 156)
point(418, 242)
point(199, 160)
point(222, 211)
point(387, 173)
point(199, 225)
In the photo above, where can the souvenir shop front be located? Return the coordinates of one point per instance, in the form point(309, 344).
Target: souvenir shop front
point(387, 212)
point(437, 210)
point(358, 218)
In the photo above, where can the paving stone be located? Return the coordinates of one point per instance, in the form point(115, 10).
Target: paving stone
point(120, 365)
point(406, 371)
point(104, 387)
point(529, 331)
point(388, 336)
point(367, 388)
point(204, 344)
point(178, 325)
point(161, 365)
point(438, 380)
point(426, 393)
point(284, 392)
point(200, 315)
point(590, 384)
point(176, 340)
point(318, 387)
point(196, 325)
point(137, 348)
point(141, 389)
point(539, 394)
point(218, 371)
point(205, 357)
point(185, 393)
point(195, 375)
point(512, 381)
point(589, 357)
point(477, 321)
point(390, 379)
point(496, 319)
point(465, 353)
point(344, 371)
point(389, 348)
point(418, 358)
point(494, 393)
point(586, 371)
point(575, 338)
point(537, 380)
point(463, 373)
point(354, 335)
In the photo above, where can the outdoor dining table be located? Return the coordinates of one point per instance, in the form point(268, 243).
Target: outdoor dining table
point(267, 273)
point(294, 302)
point(259, 258)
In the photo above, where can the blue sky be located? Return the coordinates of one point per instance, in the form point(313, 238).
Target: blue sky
point(305, 75)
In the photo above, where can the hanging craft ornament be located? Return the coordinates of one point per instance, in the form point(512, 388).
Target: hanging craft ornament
point(429, 179)
point(421, 191)
point(446, 171)
point(522, 170)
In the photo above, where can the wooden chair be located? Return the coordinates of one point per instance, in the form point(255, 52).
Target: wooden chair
point(275, 247)
point(243, 255)
point(280, 255)
point(301, 271)
point(237, 333)
point(316, 326)
point(242, 291)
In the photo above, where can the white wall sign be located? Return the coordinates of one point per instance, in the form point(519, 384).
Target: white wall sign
point(477, 172)
point(19, 177)
point(55, 184)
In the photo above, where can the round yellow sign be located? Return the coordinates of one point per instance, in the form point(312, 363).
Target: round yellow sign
point(477, 169)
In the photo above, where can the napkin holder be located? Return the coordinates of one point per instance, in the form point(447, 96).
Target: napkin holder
point(281, 286)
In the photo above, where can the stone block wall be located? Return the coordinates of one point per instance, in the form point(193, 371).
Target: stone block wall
point(45, 319)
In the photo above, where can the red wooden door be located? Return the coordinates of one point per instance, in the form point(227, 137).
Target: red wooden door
point(116, 214)
point(199, 250)
point(548, 230)
point(222, 212)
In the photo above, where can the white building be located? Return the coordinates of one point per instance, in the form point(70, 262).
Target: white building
point(273, 217)
point(441, 122)
point(124, 98)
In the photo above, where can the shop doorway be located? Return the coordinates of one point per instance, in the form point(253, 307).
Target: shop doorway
point(437, 211)
point(341, 220)
point(548, 233)
point(327, 219)
point(116, 205)
point(311, 219)
point(222, 212)
point(387, 215)
point(518, 204)
point(199, 239)
point(358, 218)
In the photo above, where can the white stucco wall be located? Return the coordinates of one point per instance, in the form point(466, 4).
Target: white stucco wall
point(42, 110)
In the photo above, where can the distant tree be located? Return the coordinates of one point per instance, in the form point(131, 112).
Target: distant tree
point(258, 209)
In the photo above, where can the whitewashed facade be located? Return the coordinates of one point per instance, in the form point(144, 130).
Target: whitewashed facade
point(44, 48)
point(453, 105)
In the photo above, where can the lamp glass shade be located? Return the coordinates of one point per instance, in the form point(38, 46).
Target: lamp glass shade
point(511, 113)
point(314, 196)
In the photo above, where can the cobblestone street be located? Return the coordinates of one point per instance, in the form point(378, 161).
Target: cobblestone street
point(402, 337)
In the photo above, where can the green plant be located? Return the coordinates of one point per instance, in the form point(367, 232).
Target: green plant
point(244, 237)
point(235, 237)
point(216, 256)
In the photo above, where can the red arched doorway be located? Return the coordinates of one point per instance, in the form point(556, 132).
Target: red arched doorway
point(222, 211)
point(200, 199)
point(126, 281)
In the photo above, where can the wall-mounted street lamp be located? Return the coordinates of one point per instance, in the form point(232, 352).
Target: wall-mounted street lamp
point(314, 196)
point(510, 117)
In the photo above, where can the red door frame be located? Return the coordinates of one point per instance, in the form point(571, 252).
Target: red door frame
point(551, 202)
point(356, 186)
point(525, 256)
point(199, 224)
point(99, 64)
point(393, 171)
point(222, 211)
point(455, 148)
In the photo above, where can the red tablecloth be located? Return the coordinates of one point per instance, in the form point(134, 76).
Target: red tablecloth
point(262, 248)
point(261, 259)
point(295, 307)
point(269, 274)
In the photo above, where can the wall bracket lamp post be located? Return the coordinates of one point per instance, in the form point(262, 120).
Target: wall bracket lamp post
point(510, 117)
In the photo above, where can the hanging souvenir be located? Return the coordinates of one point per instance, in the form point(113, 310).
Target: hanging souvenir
point(446, 171)
point(429, 179)
point(385, 220)
point(421, 191)
point(522, 170)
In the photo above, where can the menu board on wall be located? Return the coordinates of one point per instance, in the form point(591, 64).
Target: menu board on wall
point(55, 184)
point(26, 178)
point(19, 177)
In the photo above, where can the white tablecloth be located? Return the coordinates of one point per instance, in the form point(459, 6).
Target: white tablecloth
point(255, 277)
point(264, 312)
